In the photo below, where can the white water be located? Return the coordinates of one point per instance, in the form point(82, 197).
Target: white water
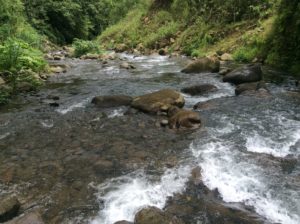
point(123, 197)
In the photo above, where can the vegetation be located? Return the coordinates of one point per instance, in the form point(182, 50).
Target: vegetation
point(82, 47)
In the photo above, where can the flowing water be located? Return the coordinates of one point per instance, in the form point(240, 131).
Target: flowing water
point(248, 149)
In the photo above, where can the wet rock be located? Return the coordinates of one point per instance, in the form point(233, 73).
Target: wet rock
point(180, 118)
point(226, 57)
point(9, 207)
point(154, 102)
point(112, 101)
point(203, 65)
point(153, 215)
point(162, 52)
point(123, 222)
point(204, 106)
point(57, 69)
point(102, 166)
point(126, 65)
point(164, 122)
point(245, 74)
point(199, 89)
point(196, 175)
point(224, 71)
point(30, 218)
point(131, 111)
point(253, 86)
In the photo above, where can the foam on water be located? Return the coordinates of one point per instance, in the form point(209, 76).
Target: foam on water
point(123, 197)
point(280, 141)
point(117, 113)
point(240, 181)
point(72, 107)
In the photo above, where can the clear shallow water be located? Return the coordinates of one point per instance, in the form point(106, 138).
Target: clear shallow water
point(241, 149)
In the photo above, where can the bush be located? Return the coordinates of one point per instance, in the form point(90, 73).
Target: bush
point(82, 47)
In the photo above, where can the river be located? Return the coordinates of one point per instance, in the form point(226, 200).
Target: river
point(82, 164)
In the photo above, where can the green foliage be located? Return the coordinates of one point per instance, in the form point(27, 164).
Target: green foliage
point(82, 47)
point(62, 21)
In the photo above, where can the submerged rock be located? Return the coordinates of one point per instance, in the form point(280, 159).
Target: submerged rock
point(9, 207)
point(112, 101)
point(199, 89)
point(180, 118)
point(126, 65)
point(203, 65)
point(245, 74)
point(158, 101)
point(153, 215)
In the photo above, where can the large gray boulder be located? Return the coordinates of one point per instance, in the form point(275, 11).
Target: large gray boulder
point(245, 74)
point(252, 86)
point(158, 101)
point(205, 64)
point(112, 101)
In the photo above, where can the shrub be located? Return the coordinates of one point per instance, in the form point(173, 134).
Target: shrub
point(82, 47)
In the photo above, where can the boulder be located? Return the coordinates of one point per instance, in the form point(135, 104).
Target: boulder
point(162, 52)
point(204, 106)
point(224, 71)
point(199, 89)
point(153, 215)
point(30, 218)
point(205, 64)
point(245, 74)
point(226, 57)
point(252, 86)
point(184, 119)
point(126, 65)
point(158, 101)
point(112, 101)
point(9, 207)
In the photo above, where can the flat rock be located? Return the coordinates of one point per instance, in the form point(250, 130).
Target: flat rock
point(158, 101)
point(112, 101)
point(30, 218)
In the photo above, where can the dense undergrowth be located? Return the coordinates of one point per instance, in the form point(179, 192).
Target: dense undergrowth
point(266, 30)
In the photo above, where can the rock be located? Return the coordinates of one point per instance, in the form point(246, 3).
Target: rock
point(196, 175)
point(153, 215)
point(112, 101)
point(25, 87)
point(200, 89)
point(123, 222)
point(224, 71)
point(226, 57)
point(102, 166)
point(57, 57)
point(30, 218)
point(90, 57)
point(164, 122)
point(110, 56)
point(9, 207)
point(140, 47)
point(252, 86)
point(126, 65)
point(121, 48)
point(203, 65)
point(57, 69)
point(245, 74)
point(204, 106)
point(162, 52)
point(2, 82)
point(154, 102)
point(180, 118)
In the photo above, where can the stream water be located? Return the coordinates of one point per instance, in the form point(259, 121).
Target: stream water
point(248, 149)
